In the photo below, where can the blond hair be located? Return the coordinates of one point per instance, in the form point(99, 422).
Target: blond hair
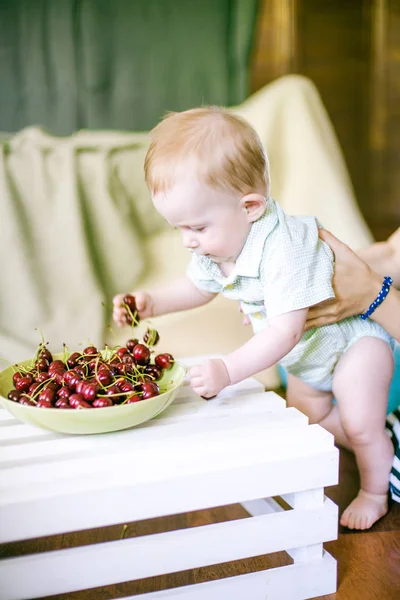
point(219, 148)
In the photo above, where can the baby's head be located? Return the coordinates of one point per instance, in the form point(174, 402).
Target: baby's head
point(205, 167)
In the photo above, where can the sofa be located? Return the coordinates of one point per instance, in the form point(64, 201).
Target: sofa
point(78, 226)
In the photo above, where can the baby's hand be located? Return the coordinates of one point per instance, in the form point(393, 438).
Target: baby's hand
point(209, 378)
point(144, 306)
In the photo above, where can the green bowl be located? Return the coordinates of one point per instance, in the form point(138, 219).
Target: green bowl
point(96, 420)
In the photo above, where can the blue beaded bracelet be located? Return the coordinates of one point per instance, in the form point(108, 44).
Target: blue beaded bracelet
point(387, 282)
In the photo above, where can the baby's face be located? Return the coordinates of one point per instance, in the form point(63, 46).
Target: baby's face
point(212, 223)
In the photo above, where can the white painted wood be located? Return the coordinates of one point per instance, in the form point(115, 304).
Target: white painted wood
point(23, 431)
point(292, 582)
point(153, 555)
point(25, 452)
point(307, 499)
point(27, 515)
point(180, 455)
point(190, 411)
point(5, 416)
point(243, 445)
point(307, 553)
point(262, 506)
point(63, 447)
point(243, 403)
point(303, 500)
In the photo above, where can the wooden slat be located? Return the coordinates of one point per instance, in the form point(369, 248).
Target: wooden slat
point(230, 399)
point(168, 552)
point(63, 447)
point(292, 582)
point(153, 458)
point(82, 505)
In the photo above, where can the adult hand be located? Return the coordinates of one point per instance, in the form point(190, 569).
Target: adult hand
point(354, 283)
point(209, 378)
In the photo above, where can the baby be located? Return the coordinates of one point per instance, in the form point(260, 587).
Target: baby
point(208, 174)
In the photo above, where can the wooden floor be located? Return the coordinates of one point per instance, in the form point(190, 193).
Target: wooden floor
point(369, 562)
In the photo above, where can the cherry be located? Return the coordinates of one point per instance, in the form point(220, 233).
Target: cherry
point(130, 302)
point(58, 375)
point(44, 404)
point(141, 354)
point(82, 404)
point(75, 399)
point(27, 401)
point(71, 379)
point(104, 377)
point(151, 337)
point(90, 350)
point(164, 361)
point(127, 386)
point(154, 372)
point(47, 395)
point(122, 351)
point(53, 385)
point(64, 393)
point(33, 387)
point(128, 359)
point(17, 376)
point(130, 344)
point(24, 383)
point(93, 365)
point(69, 376)
point(89, 391)
point(14, 395)
point(72, 361)
point(114, 367)
point(79, 386)
point(149, 389)
point(133, 398)
point(56, 364)
point(102, 402)
point(42, 364)
point(43, 376)
point(46, 354)
point(114, 392)
point(62, 403)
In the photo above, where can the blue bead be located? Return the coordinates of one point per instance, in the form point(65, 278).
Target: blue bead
point(387, 282)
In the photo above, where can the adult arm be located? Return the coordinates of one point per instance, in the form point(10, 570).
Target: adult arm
point(357, 285)
point(384, 257)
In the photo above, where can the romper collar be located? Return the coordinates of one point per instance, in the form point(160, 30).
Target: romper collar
point(249, 260)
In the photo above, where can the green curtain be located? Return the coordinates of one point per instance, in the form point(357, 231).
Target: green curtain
point(119, 64)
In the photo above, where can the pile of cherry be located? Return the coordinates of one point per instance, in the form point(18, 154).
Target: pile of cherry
point(92, 378)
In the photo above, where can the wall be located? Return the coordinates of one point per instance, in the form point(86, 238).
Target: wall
point(351, 51)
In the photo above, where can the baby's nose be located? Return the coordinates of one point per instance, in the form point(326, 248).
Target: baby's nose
point(189, 240)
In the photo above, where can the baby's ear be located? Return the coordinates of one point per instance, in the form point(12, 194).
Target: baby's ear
point(254, 205)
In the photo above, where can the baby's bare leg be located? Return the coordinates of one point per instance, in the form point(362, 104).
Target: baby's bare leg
point(361, 386)
point(318, 407)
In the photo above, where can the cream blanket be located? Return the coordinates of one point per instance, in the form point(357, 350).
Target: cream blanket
point(77, 224)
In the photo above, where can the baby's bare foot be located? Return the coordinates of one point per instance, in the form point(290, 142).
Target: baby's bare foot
point(365, 510)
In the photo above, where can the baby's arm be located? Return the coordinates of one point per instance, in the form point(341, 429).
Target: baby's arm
point(180, 294)
point(263, 350)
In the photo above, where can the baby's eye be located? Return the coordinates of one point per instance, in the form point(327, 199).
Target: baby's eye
point(198, 229)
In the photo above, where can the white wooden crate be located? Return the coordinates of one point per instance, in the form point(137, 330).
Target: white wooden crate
point(244, 446)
